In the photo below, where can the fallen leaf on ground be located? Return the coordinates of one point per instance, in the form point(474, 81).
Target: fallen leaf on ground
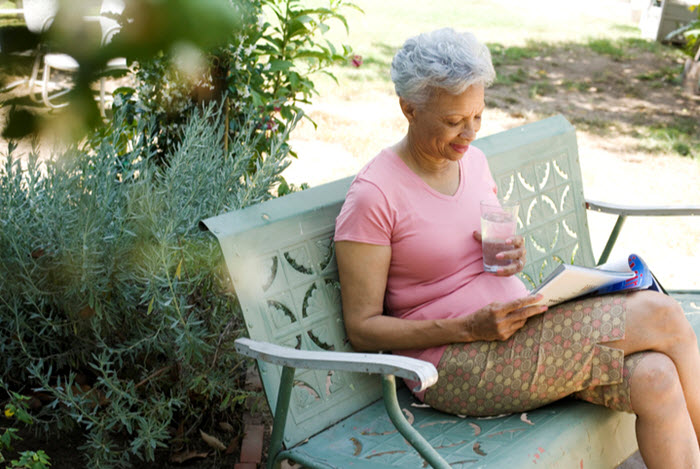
point(212, 441)
point(225, 426)
point(233, 445)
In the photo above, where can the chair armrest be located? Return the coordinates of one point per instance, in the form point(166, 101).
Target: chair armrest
point(405, 367)
point(624, 211)
point(631, 211)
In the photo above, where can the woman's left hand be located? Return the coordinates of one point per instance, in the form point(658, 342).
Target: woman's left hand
point(517, 256)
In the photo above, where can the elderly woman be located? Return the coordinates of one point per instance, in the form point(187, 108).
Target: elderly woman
point(410, 261)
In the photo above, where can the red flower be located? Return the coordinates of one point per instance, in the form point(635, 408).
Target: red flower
point(356, 60)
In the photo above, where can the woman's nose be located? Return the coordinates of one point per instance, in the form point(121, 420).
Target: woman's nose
point(468, 132)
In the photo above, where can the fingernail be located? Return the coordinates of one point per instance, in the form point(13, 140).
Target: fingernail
point(509, 241)
point(499, 255)
point(544, 308)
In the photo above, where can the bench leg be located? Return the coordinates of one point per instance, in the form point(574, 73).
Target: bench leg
point(416, 440)
point(612, 239)
point(281, 410)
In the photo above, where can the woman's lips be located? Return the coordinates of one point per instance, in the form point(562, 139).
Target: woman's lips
point(459, 148)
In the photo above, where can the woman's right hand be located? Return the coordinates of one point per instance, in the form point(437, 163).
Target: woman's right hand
point(499, 321)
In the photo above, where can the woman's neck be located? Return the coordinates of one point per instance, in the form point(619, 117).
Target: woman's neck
point(421, 162)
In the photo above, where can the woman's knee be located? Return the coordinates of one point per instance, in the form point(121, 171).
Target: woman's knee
point(655, 385)
point(662, 314)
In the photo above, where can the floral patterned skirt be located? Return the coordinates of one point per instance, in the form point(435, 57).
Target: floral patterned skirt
point(556, 354)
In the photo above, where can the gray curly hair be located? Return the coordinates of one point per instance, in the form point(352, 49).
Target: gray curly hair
point(442, 59)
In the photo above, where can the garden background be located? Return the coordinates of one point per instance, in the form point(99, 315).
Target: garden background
point(639, 143)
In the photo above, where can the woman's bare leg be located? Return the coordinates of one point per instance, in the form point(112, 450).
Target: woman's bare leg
point(656, 322)
point(664, 430)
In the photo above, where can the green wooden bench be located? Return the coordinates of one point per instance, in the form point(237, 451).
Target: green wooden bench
point(331, 407)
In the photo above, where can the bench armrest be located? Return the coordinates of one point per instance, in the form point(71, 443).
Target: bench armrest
point(624, 211)
point(632, 211)
point(405, 367)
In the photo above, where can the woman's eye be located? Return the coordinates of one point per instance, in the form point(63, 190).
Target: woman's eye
point(453, 124)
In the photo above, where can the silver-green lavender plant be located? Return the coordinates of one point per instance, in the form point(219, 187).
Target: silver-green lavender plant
point(115, 307)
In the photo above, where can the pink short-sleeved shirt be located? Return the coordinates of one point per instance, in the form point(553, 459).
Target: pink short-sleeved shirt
point(436, 268)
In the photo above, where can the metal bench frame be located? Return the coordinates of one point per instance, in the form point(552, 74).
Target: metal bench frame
point(327, 400)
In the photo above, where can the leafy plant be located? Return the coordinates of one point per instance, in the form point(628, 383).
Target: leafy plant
point(121, 316)
point(17, 408)
point(266, 67)
point(691, 32)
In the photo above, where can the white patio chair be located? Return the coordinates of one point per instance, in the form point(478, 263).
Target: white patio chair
point(64, 62)
point(38, 16)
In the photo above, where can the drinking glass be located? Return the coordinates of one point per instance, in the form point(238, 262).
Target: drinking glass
point(498, 224)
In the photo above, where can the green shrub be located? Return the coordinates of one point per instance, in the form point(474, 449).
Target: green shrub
point(267, 66)
point(116, 306)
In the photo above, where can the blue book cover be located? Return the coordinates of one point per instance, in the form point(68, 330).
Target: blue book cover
point(643, 279)
point(567, 282)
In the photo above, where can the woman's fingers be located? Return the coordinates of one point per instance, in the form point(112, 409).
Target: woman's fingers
point(512, 254)
point(510, 269)
point(516, 241)
point(516, 256)
point(515, 305)
point(528, 312)
point(499, 321)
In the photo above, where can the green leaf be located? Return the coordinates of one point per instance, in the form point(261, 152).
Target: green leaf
point(150, 306)
point(331, 47)
point(283, 189)
point(308, 53)
point(335, 79)
point(178, 271)
point(279, 65)
point(303, 18)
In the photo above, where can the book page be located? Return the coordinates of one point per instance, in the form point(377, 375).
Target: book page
point(620, 264)
point(570, 281)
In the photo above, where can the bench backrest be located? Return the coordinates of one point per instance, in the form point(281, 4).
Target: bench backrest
point(280, 257)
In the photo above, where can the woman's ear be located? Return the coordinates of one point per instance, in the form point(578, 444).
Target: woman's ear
point(408, 109)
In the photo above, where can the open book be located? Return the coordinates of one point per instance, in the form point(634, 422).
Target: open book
point(567, 282)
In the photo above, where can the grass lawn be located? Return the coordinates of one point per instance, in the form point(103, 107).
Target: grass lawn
point(384, 26)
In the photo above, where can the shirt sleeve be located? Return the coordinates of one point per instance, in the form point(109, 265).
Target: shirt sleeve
point(366, 216)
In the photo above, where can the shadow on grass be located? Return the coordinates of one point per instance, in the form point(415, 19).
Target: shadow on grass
point(626, 87)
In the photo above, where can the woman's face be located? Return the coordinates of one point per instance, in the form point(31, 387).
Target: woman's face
point(445, 126)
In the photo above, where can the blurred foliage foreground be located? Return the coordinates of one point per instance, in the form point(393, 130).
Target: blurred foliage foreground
point(116, 311)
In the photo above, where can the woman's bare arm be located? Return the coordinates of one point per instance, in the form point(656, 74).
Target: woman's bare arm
point(363, 270)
